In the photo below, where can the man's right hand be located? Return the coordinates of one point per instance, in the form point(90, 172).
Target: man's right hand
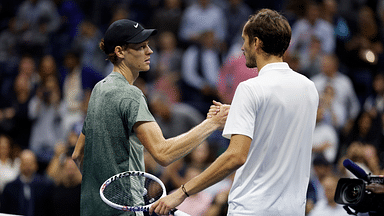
point(218, 112)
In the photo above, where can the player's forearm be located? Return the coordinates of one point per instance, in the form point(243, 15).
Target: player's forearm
point(179, 146)
point(222, 167)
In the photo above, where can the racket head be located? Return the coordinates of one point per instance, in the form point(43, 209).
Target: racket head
point(132, 191)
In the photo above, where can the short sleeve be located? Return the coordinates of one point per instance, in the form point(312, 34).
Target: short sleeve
point(135, 109)
point(242, 115)
point(143, 113)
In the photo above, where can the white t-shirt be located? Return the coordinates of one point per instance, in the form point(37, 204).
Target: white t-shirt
point(278, 111)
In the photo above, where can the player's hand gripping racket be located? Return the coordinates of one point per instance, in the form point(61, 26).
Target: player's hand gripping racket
point(134, 191)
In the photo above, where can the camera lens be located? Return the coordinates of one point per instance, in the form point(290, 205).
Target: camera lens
point(352, 192)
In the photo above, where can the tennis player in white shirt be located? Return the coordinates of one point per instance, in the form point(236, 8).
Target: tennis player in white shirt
point(270, 126)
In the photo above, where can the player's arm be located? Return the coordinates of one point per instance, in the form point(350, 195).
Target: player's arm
point(228, 162)
point(165, 151)
point(78, 153)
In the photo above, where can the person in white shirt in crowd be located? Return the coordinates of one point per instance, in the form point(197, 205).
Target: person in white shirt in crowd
point(345, 103)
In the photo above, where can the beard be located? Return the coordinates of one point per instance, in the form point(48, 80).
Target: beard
point(250, 62)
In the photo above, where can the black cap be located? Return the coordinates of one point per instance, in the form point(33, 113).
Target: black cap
point(125, 31)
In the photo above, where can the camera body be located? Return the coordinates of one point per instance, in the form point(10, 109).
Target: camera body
point(351, 193)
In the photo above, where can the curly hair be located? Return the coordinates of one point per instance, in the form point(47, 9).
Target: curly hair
point(272, 29)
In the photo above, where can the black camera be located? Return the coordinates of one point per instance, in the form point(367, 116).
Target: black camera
point(352, 193)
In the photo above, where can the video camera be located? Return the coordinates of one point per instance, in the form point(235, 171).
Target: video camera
point(351, 192)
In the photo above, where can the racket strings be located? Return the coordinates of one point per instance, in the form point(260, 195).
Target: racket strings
point(133, 191)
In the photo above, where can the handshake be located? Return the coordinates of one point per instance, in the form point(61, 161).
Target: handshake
point(220, 111)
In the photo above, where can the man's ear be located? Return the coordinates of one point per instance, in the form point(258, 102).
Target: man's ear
point(119, 51)
point(258, 43)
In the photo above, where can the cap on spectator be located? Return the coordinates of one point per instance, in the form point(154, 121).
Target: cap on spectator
point(125, 31)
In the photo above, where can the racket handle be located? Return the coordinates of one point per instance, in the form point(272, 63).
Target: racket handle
point(177, 212)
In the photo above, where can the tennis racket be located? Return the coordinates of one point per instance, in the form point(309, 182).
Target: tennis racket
point(134, 191)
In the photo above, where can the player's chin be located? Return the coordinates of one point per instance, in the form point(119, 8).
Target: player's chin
point(145, 68)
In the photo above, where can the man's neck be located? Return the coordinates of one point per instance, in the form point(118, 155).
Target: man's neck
point(126, 72)
point(263, 60)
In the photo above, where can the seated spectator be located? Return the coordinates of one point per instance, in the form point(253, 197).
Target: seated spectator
point(312, 25)
point(200, 69)
point(325, 138)
point(328, 206)
point(173, 119)
point(320, 168)
point(202, 16)
point(345, 102)
point(9, 161)
point(30, 194)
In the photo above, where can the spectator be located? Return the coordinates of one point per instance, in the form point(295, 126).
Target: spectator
point(328, 206)
point(325, 138)
point(366, 130)
point(374, 104)
point(231, 74)
point(66, 194)
point(237, 13)
point(168, 69)
point(345, 103)
point(307, 27)
point(37, 20)
point(9, 55)
point(27, 66)
point(200, 68)
point(30, 193)
point(88, 44)
point(21, 96)
point(9, 161)
point(71, 17)
point(363, 50)
point(319, 170)
point(46, 110)
point(62, 151)
point(310, 62)
point(168, 17)
point(47, 67)
point(73, 91)
point(200, 17)
point(173, 119)
point(342, 30)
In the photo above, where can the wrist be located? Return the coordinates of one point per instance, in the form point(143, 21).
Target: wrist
point(184, 192)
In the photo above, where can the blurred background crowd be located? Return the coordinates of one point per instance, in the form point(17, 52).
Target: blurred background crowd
point(50, 61)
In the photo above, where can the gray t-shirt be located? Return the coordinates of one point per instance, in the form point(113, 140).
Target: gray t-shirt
point(111, 146)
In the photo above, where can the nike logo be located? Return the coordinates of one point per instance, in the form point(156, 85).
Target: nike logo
point(137, 25)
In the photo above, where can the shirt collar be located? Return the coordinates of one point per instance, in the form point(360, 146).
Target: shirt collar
point(274, 66)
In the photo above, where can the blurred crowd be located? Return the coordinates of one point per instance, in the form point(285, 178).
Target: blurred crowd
point(50, 61)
